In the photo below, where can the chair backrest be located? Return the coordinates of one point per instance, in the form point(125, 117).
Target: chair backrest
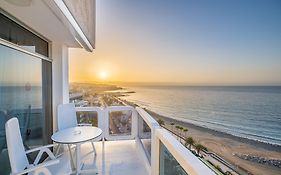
point(66, 116)
point(16, 151)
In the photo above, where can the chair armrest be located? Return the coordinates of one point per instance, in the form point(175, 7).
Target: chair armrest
point(39, 148)
point(85, 124)
point(42, 149)
point(41, 165)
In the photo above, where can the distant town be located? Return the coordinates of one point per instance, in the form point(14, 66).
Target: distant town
point(101, 95)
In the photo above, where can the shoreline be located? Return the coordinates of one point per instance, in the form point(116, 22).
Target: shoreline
point(228, 146)
point(268, 146)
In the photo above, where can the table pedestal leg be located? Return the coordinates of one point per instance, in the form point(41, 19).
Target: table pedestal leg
point(58, 149)
point(78, 158)
point(71, 158)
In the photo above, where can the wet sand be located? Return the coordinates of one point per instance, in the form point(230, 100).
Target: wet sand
point(226, 145)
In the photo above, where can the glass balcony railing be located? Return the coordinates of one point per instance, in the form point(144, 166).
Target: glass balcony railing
point(87, 117)
point(163, 153)
point(168, 164)
point(144, 135)
point(120, 122)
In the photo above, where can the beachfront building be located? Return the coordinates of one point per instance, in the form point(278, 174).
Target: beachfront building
point(34, 39)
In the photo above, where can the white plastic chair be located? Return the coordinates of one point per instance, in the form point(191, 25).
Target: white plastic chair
point(18, 156)
point(67, 119)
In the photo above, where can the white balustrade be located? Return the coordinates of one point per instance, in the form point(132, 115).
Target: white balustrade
point(188, 162)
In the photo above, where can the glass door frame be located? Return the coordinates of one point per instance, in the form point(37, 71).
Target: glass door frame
point(46, 65)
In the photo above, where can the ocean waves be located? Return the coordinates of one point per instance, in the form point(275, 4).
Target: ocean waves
point(249, 112)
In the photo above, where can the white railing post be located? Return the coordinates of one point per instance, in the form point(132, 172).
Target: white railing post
point(106, 122)
point(153, 124)
point(134, 128)
point(155, 153)
point(101, 121)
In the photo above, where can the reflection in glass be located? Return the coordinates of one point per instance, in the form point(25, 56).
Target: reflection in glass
point(20, 97)
point(13, 32)
point(120, 122)
point(168, 164)
point(144, 134)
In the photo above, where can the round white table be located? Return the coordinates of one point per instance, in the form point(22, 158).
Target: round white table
point(76, 135)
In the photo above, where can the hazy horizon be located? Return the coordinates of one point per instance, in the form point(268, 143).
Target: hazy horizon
point(186, 43)
point(169, 84)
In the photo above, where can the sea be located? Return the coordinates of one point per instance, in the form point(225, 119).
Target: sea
point(252, 112)
point(20, 97)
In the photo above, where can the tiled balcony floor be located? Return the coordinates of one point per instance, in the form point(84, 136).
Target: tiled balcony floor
point(114, 158)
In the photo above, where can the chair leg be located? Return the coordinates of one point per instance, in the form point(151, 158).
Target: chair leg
point(58, 149)
point(71, 157)
point(94, 149)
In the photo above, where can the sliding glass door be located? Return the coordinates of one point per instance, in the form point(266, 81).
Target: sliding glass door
point(25, 87)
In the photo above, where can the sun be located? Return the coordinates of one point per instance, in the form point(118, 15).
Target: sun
point(103, 75)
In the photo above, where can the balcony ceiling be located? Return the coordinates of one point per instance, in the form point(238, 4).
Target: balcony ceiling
point(43, 17)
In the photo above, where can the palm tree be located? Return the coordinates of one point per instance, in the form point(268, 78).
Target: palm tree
point(185, 131)
point(181, 128)
point(189, 141)
point(161, 122)
point(199, 148)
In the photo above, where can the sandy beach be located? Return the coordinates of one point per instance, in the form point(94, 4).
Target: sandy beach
point(226, 146)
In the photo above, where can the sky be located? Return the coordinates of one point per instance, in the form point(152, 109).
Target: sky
point(218, 42)
point(28, 70)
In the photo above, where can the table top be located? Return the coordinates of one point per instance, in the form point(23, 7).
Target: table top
point(77, 134)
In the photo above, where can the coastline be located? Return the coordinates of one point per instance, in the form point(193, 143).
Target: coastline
point(268, 146)
point(229, 146)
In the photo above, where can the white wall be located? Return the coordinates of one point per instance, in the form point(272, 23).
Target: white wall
point(59, 53)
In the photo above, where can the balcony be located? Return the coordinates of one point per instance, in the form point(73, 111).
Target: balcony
point(114, 157)
point(133, 143)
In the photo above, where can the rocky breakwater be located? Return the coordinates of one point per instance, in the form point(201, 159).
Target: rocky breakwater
point(258, 159)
